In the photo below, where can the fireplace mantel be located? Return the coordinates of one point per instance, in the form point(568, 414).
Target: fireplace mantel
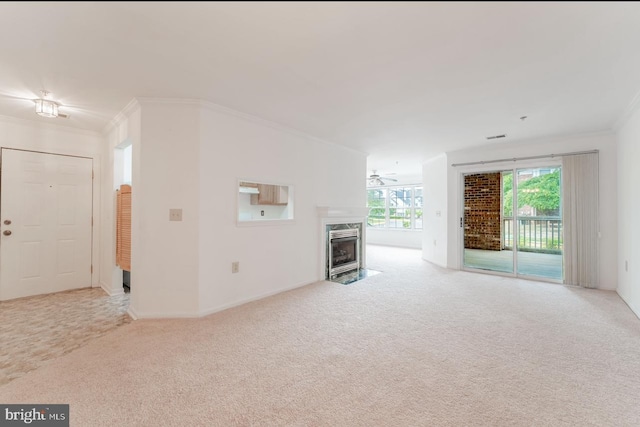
point(342, 212)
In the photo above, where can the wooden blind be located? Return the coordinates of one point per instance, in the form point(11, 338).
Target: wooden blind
point(123, 227)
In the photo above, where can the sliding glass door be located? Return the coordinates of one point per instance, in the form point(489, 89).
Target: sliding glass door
point(539, 247)
point(512, 222)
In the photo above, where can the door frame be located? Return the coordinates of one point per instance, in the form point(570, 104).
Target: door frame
point(496, 167)
point(95, 208)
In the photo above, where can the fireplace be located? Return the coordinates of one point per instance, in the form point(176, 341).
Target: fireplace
point(351, 220)
point(344, 251)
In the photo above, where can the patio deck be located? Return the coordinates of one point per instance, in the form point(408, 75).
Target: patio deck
point(529, 263)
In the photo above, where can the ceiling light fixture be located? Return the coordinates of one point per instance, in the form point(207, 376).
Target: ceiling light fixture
point(46, 107)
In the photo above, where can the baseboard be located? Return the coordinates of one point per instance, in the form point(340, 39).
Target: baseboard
point(437, 264)
point(160, 315)
point(187, 315)
point(419, 248)
point(110, 292)
point(237, 303)
point(631, 307)
point(131, 312)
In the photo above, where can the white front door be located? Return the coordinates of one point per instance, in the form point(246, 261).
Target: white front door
point(45, 223)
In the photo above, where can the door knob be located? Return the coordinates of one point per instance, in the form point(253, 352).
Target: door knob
point(7, 221)
point(7, 232)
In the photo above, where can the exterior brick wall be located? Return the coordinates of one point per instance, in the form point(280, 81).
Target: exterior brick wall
point(482, 211)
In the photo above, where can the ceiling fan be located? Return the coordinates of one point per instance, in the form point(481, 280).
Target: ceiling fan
point(375, 179)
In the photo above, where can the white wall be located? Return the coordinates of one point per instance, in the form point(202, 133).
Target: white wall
point(165, 137)
point(628, 143)
point(608, 191)
point(189, 155)
point(434, 236)
point(272, 258)
point(164, 254)
point(55, 138)
point(125, 129)
point(400, 238)
point(250, 212)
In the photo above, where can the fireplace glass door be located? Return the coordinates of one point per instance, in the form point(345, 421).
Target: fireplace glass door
point(344, 251)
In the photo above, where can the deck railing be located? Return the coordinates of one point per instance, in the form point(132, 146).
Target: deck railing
point(537, 233)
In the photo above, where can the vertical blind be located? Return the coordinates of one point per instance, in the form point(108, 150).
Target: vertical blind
point(581, 220)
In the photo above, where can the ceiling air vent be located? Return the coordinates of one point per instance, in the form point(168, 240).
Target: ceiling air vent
point(496, 136)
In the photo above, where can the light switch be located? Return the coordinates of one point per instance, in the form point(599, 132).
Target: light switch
point(175, 214)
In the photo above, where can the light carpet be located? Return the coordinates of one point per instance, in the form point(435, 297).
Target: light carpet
point(415, 345)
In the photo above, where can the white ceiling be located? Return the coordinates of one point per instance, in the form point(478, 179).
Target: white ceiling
point(401, 81)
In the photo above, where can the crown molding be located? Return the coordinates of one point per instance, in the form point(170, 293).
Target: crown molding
point(436, 157)
point(533, 139)
point(123, 115)
point(558, 136)
point(49, 126)
point(277, 126)
point(208, 105)
point(627, 113)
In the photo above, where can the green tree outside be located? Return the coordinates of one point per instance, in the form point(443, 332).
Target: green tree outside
point(377, 208)
point(541, 192)
point(507, 194)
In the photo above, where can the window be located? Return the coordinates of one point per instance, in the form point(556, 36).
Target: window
point(400, 204)
point(377, 202)
point(397, 207)
point(417, 208)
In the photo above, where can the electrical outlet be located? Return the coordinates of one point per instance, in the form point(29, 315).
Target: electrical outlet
point(435, 243)
point(175, 214)
point(235, 266)
point(626, 265)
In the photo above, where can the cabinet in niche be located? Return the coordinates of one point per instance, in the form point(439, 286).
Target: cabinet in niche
point(271, 195)
point(260, 202)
